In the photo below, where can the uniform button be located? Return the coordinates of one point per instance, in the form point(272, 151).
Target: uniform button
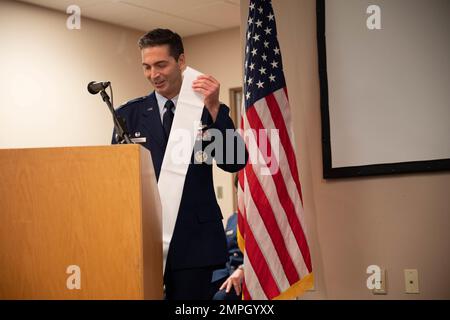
point(235, 254)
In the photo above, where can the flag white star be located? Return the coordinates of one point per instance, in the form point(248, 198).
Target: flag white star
point(276, 50)
point(252, 6)
point(260, 9)
point(247, 95)
point(266, 44)
point(254, 51)
point(262, 70)
point(270, 16)
point(248, 35)
point(252, 66)
point(258, 23)
point(268, 30)
point(272, 78)
point(256, 37)
point(260, 84)
point(250, 81)
point(250, 21)
point(274, 64)
point(264, 57)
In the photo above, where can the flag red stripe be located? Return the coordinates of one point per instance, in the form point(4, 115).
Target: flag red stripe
point(259, 265)
point(267, 215)
point(241, 221)
point(285, 199)
point(245, 292)
point(241, 214)
point(278, 120)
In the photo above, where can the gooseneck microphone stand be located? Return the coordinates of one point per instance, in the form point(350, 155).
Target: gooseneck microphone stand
point(119, 125)
point(121, 136)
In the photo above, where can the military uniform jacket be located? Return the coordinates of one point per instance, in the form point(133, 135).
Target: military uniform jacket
point(199, 238)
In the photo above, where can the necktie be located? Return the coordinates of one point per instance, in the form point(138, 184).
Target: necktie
point(168, 117)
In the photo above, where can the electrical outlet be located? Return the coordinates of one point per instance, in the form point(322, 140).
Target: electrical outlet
point(411, 281)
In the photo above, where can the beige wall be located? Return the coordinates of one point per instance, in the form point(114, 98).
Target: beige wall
point(396, 222)
point(219, 54)
point(45, 69)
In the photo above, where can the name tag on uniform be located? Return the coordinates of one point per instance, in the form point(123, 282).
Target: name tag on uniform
point(229, 232)
point(139, 140)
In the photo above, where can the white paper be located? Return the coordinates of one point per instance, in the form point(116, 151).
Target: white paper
point(188, 112)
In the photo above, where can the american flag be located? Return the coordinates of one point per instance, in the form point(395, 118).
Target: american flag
point(271, 226)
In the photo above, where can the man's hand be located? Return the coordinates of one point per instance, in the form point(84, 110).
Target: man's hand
point(209, 88)
point(234, 280)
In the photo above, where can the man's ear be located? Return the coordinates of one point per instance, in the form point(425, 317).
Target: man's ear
point(182, 62)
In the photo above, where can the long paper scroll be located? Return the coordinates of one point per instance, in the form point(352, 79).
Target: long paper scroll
point(178, 154)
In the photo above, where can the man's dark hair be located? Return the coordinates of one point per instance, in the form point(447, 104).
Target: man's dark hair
point(159, 37)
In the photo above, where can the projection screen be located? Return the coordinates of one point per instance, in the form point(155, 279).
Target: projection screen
point(385, 86)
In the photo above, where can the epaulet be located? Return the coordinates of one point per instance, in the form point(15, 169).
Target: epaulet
point(131, 102)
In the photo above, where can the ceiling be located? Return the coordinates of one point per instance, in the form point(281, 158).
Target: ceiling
point(186, 17)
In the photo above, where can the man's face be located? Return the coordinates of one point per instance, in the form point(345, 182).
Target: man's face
point(162, 70)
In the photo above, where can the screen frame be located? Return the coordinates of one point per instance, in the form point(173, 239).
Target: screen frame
point(330, 172)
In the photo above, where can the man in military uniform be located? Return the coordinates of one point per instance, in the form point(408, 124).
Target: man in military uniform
point(198, 244)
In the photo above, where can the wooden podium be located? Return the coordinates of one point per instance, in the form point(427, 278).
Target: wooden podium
point(87, 217)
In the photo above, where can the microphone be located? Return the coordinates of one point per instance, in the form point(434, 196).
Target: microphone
point(95, 87)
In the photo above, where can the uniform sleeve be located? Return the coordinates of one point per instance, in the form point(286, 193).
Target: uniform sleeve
point(233, 154)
